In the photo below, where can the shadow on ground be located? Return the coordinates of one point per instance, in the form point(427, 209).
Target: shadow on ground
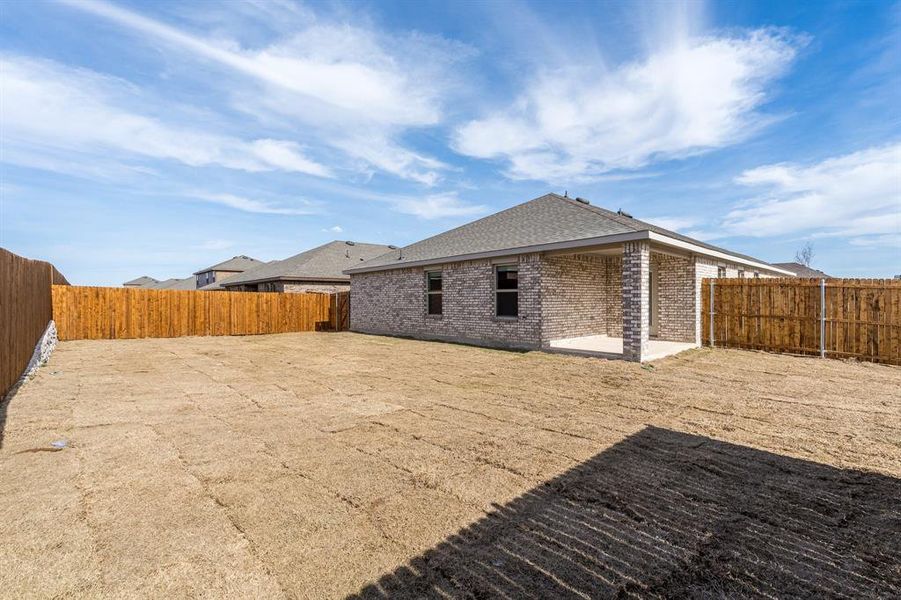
point(667, 514)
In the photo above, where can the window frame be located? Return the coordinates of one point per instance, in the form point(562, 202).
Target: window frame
point(721, 272)
point(741, 274)
point(429, 293)
point(499, 268)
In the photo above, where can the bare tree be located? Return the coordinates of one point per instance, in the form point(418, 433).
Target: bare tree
point(805, 254)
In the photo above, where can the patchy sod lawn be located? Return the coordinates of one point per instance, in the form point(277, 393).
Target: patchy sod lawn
point(327, 465)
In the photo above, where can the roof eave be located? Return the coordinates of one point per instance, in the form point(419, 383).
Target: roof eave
point(695, 248)
point(573, 244)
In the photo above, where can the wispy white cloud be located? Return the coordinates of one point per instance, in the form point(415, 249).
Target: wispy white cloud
point(334, 229)
point(691, 95)
point(250, 205)
point(380, 152)
point(53, 116)
point(856, 194)
point(340, 66)
point(336, 79)
point(436, 206)
point(889, 240)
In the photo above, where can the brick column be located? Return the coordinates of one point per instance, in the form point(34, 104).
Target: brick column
point(636, 305)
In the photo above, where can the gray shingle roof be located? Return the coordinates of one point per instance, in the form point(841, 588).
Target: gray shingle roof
point(323, 263)
point(548, 219)
point(800, 270)
point(142, 281)
point(160, 285)
point(188, 283)
point(173, 283)
point(236, 263)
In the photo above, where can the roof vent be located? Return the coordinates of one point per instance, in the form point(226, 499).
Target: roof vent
point(349, 243)
point(393, 247)
point(623, 213)
point(583, 201)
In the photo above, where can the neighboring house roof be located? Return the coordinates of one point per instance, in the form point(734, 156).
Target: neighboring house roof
point(188, 283)
point(546, 223)
point(161, 285)
point(142, 281)
point(323, 263)
point(801, 270)
point(236, 263)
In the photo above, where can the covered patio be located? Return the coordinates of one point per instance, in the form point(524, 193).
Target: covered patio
point(632, 300)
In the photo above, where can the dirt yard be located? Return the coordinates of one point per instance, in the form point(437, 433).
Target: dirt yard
point(328, 465)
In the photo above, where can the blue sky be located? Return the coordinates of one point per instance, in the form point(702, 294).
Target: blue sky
point(160, 137)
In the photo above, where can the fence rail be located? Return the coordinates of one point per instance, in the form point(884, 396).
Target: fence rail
point(25, 311)
point(122, 313)
point(839, 318)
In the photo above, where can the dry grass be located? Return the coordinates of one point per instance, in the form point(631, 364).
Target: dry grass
point(322, 465)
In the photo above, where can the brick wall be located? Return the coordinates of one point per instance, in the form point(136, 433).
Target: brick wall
point(613, 296)
point(572, 302)
point(291, 287)
point(394, 302)
point(675, 297)
point(311, 286)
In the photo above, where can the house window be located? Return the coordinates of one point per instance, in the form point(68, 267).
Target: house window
point(756, 275)
point(721, 271)
point(433, 292)
point(507, 292)
point(741, 274)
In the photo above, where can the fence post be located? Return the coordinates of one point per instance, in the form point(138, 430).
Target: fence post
point(822, 318)
point(711, 313)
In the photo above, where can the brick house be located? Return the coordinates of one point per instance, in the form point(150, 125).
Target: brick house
point(317, 270)
point(553, 273)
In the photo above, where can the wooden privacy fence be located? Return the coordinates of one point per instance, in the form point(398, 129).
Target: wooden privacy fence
point(837, 318)
point(25, 311)
point(121, 313)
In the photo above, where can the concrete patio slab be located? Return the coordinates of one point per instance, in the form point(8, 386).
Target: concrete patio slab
point(612, 347)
